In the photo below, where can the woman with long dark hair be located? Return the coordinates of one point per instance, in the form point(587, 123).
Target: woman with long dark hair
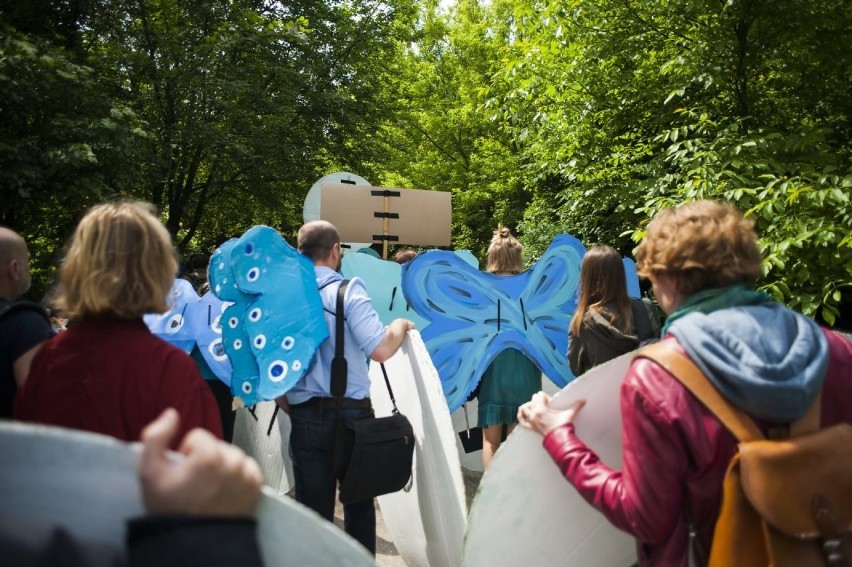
point(607, 322)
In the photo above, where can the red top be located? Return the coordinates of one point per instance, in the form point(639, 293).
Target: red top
point(675, 453)
point(114, 377)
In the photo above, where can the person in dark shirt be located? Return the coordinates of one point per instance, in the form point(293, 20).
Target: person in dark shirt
point(23, 328)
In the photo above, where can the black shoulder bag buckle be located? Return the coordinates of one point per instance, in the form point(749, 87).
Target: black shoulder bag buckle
point(383, 453)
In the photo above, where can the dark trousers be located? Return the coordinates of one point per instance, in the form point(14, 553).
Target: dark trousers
point(311, 442)
point(224, 398)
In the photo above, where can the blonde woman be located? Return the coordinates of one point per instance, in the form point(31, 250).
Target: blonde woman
point(107, 373)
point(512, 378)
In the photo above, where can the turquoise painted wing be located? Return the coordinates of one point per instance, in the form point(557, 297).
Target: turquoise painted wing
point(633, 289)
point(474, 315)
point(276, 323)
point(244, 374)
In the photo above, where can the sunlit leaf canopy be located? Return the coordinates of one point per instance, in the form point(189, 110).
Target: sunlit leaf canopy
point(552, 116)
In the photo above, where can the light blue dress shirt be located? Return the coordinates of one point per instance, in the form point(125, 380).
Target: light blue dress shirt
point(362, 333)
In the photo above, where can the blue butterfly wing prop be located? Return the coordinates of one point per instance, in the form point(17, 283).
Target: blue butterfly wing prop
point(245, 377)
point(172, 326)
point(220, 275)
point(277, 317)
point(205, 317)
point(549, 300)
point(223, 284)
point(633, 289)
point(383, 280)
point(475, 315)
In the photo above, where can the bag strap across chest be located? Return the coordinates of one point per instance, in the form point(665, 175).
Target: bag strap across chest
point(733, 418)
point(339, 366)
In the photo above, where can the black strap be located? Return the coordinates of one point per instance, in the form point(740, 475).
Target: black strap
point(339, 378)
point(390, 391)
point(272, 421)
point(339, 366)
point(642, 320)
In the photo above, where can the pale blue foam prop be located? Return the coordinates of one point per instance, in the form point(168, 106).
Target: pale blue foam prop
point(245, 376)
point(193, 321)
point(383, 280)
point(205, 316)
point(172, 326)
point(367, 250)
point(632, 278)
point(468, 257)
point(475, 315)
point(277, 316)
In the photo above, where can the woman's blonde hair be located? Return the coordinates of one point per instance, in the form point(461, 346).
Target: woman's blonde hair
point(120, 264)
point(504, 253)
point(704, 244)
point(603, 289)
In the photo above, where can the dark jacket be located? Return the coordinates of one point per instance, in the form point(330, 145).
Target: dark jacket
point(599, 341)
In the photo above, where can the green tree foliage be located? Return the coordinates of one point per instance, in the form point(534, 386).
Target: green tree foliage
point(221, 113)
point(442, 138)
point(64, 144)
point(623, 107)
point(580, 116)
point(243, 98)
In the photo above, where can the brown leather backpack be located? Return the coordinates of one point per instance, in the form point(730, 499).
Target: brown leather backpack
point(787, 500)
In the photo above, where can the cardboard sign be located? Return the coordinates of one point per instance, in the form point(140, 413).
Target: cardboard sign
point(379, 214)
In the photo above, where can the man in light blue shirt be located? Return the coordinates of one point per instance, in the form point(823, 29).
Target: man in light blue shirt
point(312, 409)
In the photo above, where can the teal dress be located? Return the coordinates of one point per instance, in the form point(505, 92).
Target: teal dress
point(509, 381)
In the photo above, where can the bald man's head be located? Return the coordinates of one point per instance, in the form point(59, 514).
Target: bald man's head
point(14, 264)
point(317, 239)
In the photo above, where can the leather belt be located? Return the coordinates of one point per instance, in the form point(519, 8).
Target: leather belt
point(331, 403)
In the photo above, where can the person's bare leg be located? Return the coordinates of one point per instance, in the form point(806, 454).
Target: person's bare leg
point(491, 438)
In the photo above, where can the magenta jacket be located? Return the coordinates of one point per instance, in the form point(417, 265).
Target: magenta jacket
point(675, 454)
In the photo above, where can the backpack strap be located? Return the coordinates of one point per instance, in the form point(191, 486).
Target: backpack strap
point(641, 320)
point(687, 373)
point(808, 422)
point(733, 418)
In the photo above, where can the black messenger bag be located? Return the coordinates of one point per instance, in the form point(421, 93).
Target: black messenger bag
point(383, 453)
